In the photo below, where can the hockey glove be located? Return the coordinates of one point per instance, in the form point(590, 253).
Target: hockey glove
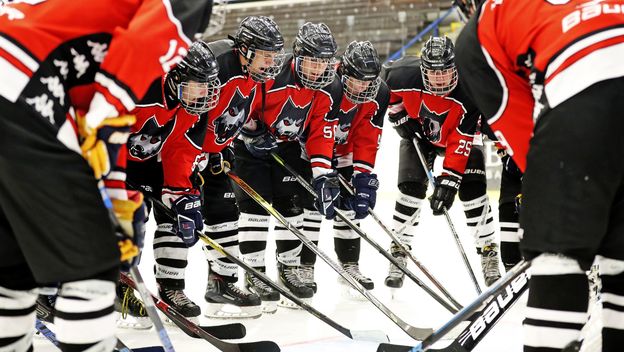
point(132, 216)
point(260, 142)
point(187, 208)
point(100, 146)
point(327, 189)
point(444, 193)
point(405, 126)
point(217, 162)
point(365, 186)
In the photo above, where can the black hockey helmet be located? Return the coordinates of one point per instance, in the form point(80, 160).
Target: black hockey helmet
point(316, 45)
point(360, 70)
point(195, 79)
point(260, 36)
point(438, 65)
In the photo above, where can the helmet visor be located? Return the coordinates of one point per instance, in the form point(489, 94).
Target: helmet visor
point(199, 97)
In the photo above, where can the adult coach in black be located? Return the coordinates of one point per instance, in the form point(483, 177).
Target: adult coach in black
point(61, 59)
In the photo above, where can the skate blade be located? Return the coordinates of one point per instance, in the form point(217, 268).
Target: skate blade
point(269, 307)
point(286, 303)
point(351, 293)
point(230, 311)
point(136, 323)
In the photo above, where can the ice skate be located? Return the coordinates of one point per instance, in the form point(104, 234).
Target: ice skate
point(353, 269)
point(227, 301)
point(178, 300)
point(267, 294)
point(306, 273)
point(290, 278)
point(395, 275)
point(132, 313)
point(489, 263)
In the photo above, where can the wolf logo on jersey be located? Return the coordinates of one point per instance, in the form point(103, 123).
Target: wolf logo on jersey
point(432, 122)
point(344, 124)
point(148, 141)
point(290, 120)
point(231, 121)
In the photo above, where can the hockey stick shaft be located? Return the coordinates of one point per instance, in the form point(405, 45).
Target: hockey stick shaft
point(414, 332)
point(398, 242)
point(305, 184)
point(262, 277)
point(179, 320)
point(460, 247)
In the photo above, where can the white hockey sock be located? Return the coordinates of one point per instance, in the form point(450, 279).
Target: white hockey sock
point(612, 279)
point(253, 230)
point(480, 225)
point(170, 253)
point(17, 318)
point(405, 208)
point(85, 314)
point(225, 234)
point(288, 245)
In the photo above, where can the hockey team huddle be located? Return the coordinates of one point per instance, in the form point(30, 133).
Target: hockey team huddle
point(110, 113)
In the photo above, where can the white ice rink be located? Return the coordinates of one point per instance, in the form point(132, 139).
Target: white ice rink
point(297, 330)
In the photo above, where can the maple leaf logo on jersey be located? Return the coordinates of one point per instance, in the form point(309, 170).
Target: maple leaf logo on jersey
point(344, 124)
point(231, 121)
point(148, 141)
point(291, 119)
point(432, 122)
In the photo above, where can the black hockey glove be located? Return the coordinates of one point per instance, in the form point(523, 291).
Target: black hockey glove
point(218, 161)
point(260, 142)
point(132, 216)
point(327, 189)
point(405, 126)
point(187, 208)
point(444, 193)
point(365, 186)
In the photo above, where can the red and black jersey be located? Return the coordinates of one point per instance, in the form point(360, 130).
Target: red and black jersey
point(516, 68)
point(359, 131)
point(164, 129)
point(236, 97)
point(59, 57)
point(293, 112)
point(447, 121)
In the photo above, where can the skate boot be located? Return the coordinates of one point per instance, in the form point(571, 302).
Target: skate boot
point(178, 300)
point(353, 269)
point(489, 263)
point(226, 300)
point(267, 294)
point(306, 273)
point(132, 313)
point(395, 275)
point(289, 277)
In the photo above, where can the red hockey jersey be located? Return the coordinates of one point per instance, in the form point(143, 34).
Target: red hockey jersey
point(520, 58)
point(293, 113)
point(359, 131)
point(447, 121)
point(60, 57)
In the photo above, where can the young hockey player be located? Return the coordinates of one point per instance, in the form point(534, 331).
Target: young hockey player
point(428, 104)
point(61, 60)
point(169, 121)
point(360, 122)
point(552, 90)
point(299, 106)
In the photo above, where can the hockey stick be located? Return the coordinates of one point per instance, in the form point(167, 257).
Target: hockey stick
point(397, 241)
point(367, 238)
point(414, 332)
point(120, 347)
point(460, 247)
point(364, 335)
point(483, 313)
point(180, 320)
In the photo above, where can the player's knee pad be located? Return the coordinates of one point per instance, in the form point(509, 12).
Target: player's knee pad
point(555, 264)
point(17, 310)
point(250, 206)
point(609, 266)
point(287, 206)
point(414, 189)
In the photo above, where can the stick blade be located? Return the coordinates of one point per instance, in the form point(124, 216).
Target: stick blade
point(225, 331)
point(259, 346)
point(149, 349)
point(369, 335)
point(419, 333)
